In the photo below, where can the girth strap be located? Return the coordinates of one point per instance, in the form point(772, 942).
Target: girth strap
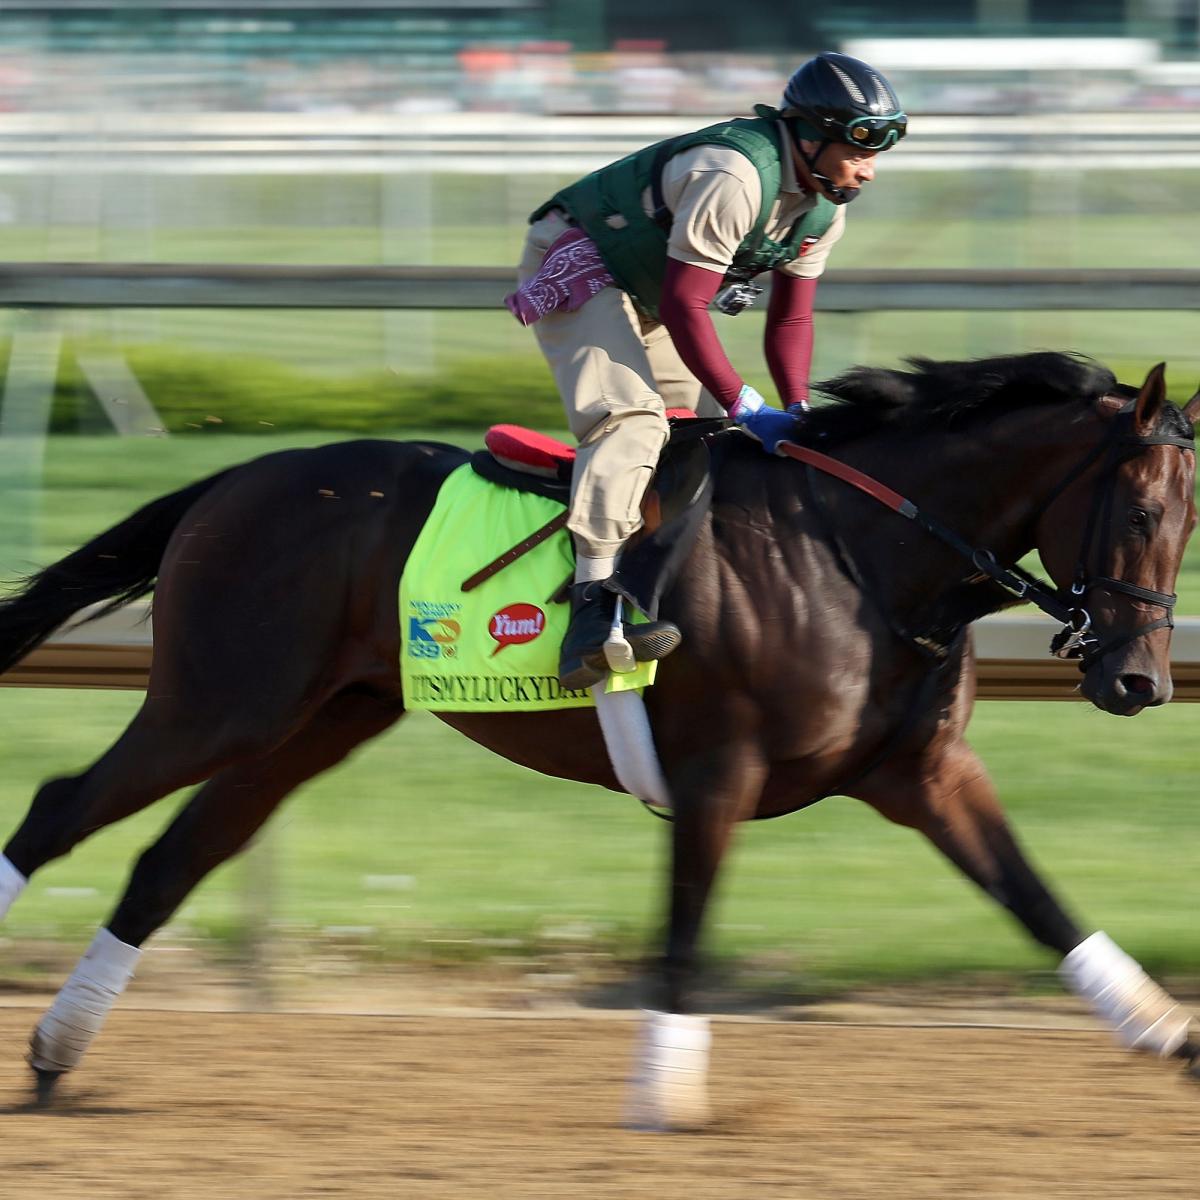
point(514, 552)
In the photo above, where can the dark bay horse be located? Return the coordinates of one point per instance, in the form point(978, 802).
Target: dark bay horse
point(824, 651)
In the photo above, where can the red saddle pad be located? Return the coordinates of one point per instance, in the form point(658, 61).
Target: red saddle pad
point(527, 450)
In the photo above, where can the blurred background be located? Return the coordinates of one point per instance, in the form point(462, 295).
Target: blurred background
point(1045, 134)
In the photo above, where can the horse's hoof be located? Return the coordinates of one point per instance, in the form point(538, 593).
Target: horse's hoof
point(44, 1085)
point(1190, 1053)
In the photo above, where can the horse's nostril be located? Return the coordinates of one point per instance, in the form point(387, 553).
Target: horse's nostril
point(1138, 685)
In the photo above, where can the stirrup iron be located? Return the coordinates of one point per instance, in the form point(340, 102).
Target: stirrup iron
point(618, 653)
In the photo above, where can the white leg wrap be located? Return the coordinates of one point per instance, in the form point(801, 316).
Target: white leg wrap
point(78, 1011)
point(669, 1089)
point(630, 744)
point(1143, 1016)
point(12, 884)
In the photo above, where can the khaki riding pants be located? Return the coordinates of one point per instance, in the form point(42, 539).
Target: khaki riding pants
point(616, 375)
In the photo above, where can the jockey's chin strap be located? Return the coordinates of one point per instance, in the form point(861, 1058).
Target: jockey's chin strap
point(1076, 639)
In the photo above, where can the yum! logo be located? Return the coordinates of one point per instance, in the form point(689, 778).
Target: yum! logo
point(516, 624)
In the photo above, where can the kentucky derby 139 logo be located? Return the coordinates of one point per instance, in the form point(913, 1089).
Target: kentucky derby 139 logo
point(515, 624)
point(432, 629)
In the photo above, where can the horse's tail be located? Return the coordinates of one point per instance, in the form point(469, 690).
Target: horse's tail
point(118, 565)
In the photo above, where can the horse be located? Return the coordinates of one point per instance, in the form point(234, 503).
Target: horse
point(826, 650)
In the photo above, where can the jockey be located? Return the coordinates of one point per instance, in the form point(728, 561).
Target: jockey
point(617, 275)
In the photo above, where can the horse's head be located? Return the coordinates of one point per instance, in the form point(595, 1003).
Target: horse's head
point(1112, 538)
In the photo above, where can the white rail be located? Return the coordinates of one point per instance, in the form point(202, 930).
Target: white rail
point(1013, 662)
point(188, 285)
point(1011, 651)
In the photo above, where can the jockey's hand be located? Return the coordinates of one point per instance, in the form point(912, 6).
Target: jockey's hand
point(770, 426)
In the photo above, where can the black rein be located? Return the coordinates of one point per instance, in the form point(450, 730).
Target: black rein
point(1076, 640)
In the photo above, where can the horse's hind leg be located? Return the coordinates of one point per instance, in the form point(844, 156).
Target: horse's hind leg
point(952, 802)
point(214, 825)
point(199, 715)
point(226, 813)
point(160, 751)
point(170, 744)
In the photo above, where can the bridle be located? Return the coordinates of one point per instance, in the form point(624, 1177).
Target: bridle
point(1077, 639)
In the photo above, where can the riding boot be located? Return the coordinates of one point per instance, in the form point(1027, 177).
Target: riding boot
point(592, 609)
point(581, 662)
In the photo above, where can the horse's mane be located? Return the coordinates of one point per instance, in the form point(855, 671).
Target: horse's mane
point(944, 394)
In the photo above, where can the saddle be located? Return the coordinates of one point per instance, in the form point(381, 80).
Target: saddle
point(672, 510)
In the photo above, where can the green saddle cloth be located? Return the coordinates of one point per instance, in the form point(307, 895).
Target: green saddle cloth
point(495, 648)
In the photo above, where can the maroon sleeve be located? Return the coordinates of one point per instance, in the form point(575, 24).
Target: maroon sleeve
point(788, 341)
point(686, 294)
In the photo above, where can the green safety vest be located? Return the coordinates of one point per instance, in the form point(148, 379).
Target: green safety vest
point(607, 205)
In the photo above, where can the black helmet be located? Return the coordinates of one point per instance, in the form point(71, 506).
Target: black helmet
point(841, 99)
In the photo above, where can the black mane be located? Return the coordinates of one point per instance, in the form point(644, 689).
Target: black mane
point(943, 394)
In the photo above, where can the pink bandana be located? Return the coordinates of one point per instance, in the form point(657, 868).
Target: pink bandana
point(570, 275)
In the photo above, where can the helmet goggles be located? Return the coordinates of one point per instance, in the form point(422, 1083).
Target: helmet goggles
point(876, 133)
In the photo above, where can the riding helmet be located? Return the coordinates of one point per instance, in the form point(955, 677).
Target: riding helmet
point(842, 99)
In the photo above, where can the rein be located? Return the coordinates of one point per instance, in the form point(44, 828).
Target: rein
point(1076, 639)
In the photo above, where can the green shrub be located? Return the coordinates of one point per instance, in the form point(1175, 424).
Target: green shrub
point(190, 387)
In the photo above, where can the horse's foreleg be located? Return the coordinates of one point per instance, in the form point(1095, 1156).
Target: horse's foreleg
point(709, 795)
point(219, 820)
point(955, 806)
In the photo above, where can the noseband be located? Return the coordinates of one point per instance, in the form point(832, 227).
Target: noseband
point(1076, 639)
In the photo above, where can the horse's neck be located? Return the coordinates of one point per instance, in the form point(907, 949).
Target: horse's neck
point(986, 484)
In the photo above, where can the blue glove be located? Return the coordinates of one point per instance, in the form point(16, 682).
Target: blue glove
point(751, 413)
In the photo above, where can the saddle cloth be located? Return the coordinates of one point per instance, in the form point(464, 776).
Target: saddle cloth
point(495, 647)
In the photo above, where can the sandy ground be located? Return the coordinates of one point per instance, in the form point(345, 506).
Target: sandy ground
point(305, 1105)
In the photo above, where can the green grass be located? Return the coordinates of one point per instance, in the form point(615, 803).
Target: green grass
point(982, 217)
point(366, 372)
point(427, 848)
point(432, 849)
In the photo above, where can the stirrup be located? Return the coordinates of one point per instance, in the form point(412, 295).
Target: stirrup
point(618, 653)
point(653, 641)
point(629, 644)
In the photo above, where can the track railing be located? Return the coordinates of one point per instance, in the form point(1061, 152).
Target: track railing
point(1013, 662)
point(185, 285)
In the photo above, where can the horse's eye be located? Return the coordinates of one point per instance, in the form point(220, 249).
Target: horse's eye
point(1139, 519)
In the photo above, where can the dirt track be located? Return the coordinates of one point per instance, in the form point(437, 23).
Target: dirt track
point(177, 1104)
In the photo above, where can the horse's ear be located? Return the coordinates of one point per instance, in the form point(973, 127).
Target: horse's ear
point(1150, 401)
point(1191, 409)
